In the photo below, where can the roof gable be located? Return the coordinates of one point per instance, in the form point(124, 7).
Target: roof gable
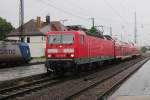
point(32, 29)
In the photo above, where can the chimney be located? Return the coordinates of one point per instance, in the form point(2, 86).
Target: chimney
point(38, 22)
point(48, 19)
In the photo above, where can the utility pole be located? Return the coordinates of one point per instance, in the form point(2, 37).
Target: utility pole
point(93, 21)
point(21, 20)
point(111, 31)
point(122, 33)
point(135, 29)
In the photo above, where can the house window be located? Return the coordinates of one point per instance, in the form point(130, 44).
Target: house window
point(22, 39)
point(28, 39)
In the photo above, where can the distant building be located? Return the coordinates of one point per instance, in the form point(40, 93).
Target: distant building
point(35, 32)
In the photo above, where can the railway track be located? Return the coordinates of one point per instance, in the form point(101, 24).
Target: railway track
point(22, 80)
point(31, 84)
point(76, 87)
point(20, 90)
point(103, 93)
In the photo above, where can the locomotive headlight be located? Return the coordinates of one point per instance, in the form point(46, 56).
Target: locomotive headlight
point(49, 55)
point(72, 55)
point(52, 50)
point(69, 50)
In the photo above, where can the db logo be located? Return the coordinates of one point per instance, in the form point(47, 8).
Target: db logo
point(60, 50)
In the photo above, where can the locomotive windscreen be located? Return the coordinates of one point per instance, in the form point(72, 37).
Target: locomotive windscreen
point(61, 39)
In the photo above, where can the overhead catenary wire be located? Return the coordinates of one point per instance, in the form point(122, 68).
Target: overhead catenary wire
point(52, 4)
point(125, 7)
point(62, 10)
point(115, 11)
point(74, 8)
point(85, 11)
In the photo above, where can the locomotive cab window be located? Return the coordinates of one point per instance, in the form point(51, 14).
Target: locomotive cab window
point(61, 39)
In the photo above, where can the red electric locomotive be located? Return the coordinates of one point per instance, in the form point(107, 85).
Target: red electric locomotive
point(65, 50)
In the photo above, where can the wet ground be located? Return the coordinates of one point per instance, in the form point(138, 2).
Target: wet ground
point(138, 85)
point(23, 71)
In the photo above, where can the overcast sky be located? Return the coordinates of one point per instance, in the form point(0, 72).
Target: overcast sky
point(116, 13)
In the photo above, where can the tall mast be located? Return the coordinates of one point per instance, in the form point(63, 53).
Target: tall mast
point(93, 21)
point(135, 29)
point(21, 20)
point(111, 31)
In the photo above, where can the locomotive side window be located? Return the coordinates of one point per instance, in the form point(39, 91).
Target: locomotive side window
point(61, 39)
point(82, 39)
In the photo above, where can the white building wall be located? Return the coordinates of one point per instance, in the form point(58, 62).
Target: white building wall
point(37, 45)
point(13, 38)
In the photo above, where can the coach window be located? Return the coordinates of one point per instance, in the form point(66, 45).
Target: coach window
point(81, 39)
point(28, 39)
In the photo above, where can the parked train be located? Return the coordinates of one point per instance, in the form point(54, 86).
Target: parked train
point(14, 52)
point(66, 50)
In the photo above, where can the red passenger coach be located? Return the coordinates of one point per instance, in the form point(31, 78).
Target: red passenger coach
point(135, 50)
point(125, 50)
point(118, 50)
point(65, 50)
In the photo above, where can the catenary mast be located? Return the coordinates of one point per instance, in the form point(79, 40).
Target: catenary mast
point(21, 21)
point(135, 29)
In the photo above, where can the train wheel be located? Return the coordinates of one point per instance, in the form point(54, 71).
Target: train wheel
point(60, 72)
point(100, 63)
point(90, 66)
point(49, 73)
point(85, 67)
point(75, 69)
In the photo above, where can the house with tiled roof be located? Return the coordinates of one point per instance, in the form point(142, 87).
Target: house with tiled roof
point(35, 34)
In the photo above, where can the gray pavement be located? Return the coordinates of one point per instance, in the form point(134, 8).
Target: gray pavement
point(138, 85)
point(23, 71)
point(37, 60)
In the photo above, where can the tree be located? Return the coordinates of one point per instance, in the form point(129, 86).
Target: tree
point(143, 49)
point(5, 28)
point(93, 30)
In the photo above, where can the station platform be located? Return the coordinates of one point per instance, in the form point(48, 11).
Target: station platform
point(19, 72)
point(37, 61)
point(137, 87)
